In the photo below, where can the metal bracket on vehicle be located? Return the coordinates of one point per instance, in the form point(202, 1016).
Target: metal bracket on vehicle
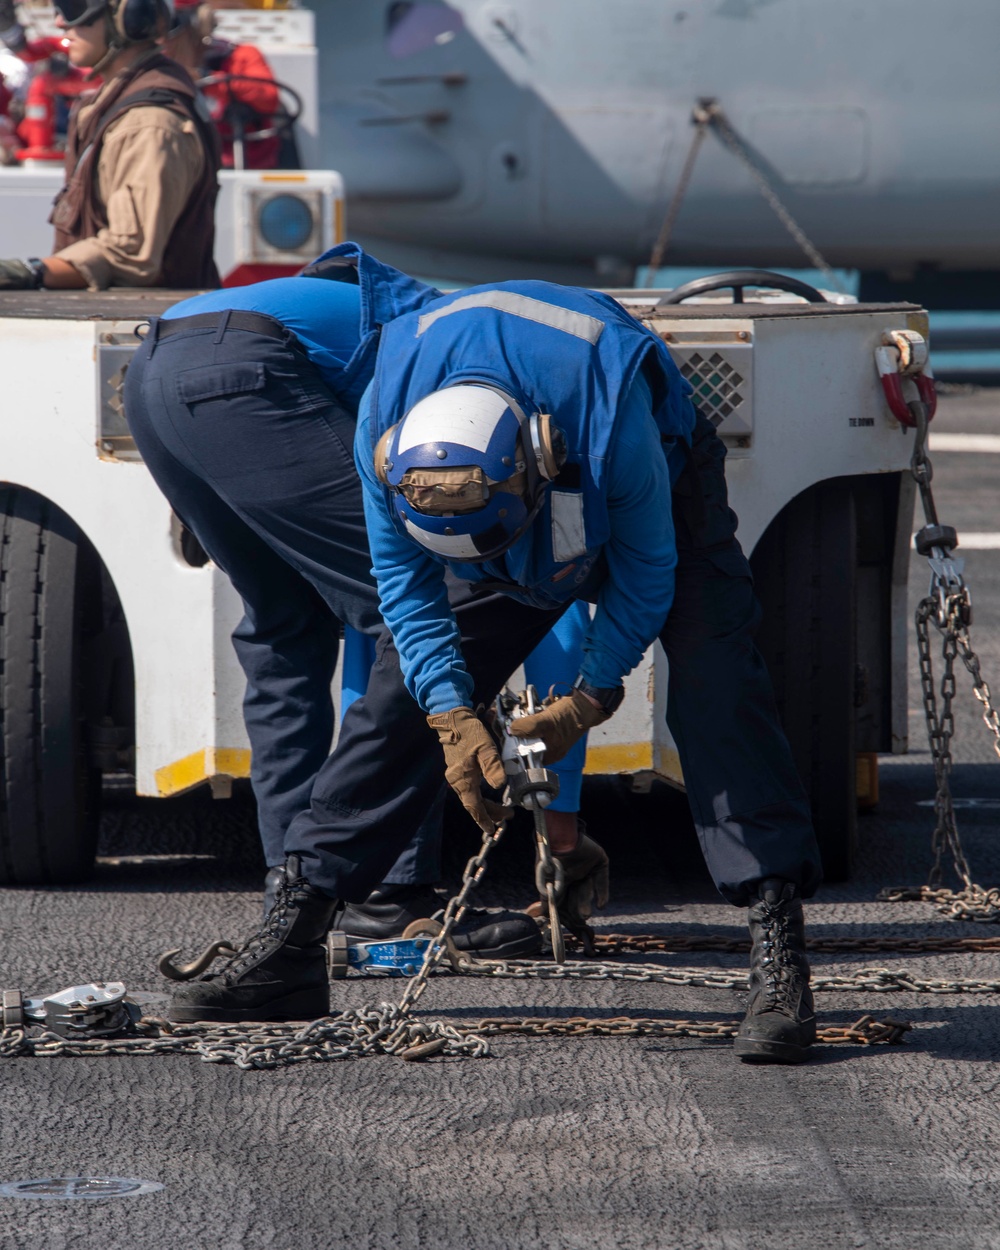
point(115, 350)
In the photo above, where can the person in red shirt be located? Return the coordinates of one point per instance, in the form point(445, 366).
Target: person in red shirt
point(237, 84)
point(40, 130)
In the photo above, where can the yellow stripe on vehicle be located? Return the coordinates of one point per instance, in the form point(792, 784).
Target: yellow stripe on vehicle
point(283, 178)
point(194, 769)
point(619, 757)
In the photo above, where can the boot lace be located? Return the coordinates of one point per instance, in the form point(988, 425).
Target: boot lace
point(777, 964)
point(257, 941)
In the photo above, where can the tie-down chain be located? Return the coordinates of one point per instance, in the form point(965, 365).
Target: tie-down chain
point(392, 1029)
point(909, 389)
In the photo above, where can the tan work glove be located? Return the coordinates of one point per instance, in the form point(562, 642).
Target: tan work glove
point(585, 872)
point(560, 724)
point(470, 754)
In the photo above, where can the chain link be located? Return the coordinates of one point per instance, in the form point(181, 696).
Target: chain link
point(948, 606)
point(276, 1045)
point(391, 1029)
point(707, 114)
point(701, 120)
point(442, 945)
point(733, 140)
point(641, 943)
point(384, 1030)
point(880, 980)
point(865, 1031)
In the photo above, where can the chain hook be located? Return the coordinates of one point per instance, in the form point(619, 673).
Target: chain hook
point(903, 365)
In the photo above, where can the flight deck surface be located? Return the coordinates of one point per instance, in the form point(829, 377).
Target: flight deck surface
point(645, 1144)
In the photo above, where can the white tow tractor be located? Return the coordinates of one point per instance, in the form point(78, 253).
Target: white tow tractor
point(115, 653)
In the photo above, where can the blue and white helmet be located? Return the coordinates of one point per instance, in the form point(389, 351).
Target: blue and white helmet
point(468, 470)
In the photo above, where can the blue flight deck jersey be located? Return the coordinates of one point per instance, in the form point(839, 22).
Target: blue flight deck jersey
point(324, 316)
point(336, 309)
point(632, 601)
point(606, 524)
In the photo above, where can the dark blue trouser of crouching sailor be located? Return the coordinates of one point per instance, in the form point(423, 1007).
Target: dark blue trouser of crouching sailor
point(257, 462)
point(254, 454)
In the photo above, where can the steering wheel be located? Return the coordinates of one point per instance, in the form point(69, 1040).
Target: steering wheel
point(738, 279)
point(282, 120)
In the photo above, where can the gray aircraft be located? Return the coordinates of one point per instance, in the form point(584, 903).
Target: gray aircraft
point(481, 139)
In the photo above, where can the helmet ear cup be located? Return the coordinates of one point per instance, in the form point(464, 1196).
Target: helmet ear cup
point(382, 465)
point(548, 444)
point(138, 20)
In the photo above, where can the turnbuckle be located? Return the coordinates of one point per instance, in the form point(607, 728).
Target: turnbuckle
point(533, 786)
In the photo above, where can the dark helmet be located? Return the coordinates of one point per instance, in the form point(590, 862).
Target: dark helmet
point(132, 21)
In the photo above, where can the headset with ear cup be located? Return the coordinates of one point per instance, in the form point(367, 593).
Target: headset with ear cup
point(382, 465)
point(548, 445)
point(139, 20)
point(468, 469)
point(130, 21)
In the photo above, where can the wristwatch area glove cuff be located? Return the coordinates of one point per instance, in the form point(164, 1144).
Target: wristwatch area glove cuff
point(470, 755)
point(18, 275)
point(560, 724)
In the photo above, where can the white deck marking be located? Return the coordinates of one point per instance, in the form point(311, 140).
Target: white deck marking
point(964, 442)
point(972, 540)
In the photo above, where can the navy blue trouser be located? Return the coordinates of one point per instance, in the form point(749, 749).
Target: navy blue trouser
point(255, 456)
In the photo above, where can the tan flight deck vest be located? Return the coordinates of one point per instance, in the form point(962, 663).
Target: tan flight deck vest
point(77, 212)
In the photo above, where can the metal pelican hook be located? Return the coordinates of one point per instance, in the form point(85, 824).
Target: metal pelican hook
point(187, 972)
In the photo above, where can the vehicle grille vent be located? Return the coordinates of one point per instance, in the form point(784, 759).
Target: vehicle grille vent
point(717, 385)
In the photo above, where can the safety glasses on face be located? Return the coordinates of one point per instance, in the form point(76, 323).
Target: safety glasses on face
point(80, 12)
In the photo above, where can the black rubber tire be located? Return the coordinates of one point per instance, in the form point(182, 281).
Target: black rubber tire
point(805, 576)
point(49, 794)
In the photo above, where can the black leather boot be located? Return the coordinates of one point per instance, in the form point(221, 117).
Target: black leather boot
point(491, 934)
point(780, 1023)
point(274, 876)
point(279, 973)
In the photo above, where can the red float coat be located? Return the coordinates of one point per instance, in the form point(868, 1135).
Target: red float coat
point(260, 98)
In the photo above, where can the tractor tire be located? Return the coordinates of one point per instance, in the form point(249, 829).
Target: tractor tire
point(49, 793)
point(805, 576)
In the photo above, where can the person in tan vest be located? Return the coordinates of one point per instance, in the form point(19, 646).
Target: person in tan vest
point(142, 159)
